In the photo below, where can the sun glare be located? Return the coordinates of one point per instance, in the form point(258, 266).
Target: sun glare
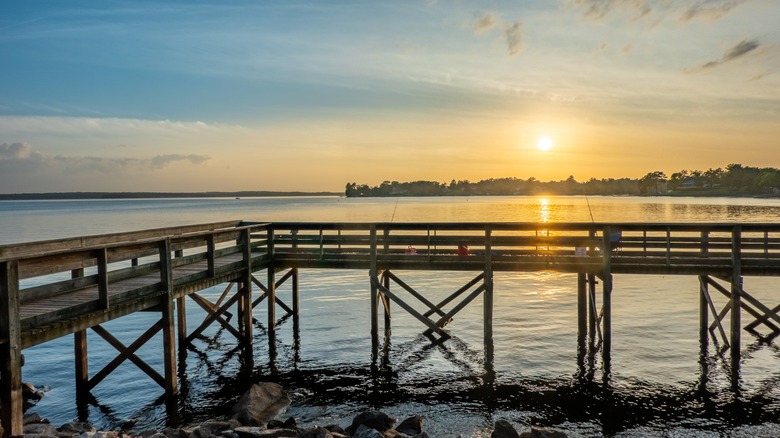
point(544, 144)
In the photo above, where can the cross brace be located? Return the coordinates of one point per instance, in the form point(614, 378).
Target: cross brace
point(762, 314)
point(444, 318)
point(126, 353)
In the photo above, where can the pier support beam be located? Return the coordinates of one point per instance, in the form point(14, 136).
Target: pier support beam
point(736, 301)
point(487, 296)
point(271, 293)
point(582, 313)
point(373, 277)
point(167, 319)
point(10, 350)
point(606, 281)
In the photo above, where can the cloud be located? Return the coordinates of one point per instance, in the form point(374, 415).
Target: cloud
point(21, 158)
point(710, 10)
point(687, 10)
point(15, 151)
point(161, 161)
point(742, 48)
point(514, 37)
point(484, 22)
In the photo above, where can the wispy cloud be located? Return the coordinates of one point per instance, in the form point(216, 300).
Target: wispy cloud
point(686, 10)
point(161, 161)
point(514, 38)
point(742, 48)
point(710, 10)
point(485, 22)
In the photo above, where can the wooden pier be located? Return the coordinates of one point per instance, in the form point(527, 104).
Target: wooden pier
point(55, 288)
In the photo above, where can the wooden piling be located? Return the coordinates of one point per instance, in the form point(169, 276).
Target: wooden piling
point(296, 303)
point(271, 294)
point(488, 293)
point(592, 315)
point(373, 274)
point(703, 312)
point(167, 318)
point(10, 351)
point(80, 353)
point(606, 282)
point(246, 290)
point(582, 310)
point(736, 300)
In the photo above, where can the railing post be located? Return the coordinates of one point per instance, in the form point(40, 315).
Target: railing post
point(168, 332)
point(102, 266)
point(736, 300)
point(10, 351)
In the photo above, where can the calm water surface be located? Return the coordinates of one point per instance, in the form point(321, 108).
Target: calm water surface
point(658, 385)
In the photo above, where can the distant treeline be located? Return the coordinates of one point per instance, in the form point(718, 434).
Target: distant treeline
point(734, 180)
point(153, 195)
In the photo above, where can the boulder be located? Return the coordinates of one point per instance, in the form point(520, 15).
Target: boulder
point(30, 392)
point(504, 429)
point(376, 420)
point(286, 424)
point(363, 431)
point(411, 426)
point(32, 418)
point(42, 429)
point(261, 403)
point(211, 428)
point(538, 432)
point(315, 432)
point(336, 429)
point(76, 428)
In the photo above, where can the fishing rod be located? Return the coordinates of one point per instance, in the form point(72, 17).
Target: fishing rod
point(394, 209)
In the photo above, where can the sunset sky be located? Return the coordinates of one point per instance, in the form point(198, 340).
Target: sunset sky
point(301, 95)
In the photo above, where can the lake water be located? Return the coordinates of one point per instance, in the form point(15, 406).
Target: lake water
point(658, 385)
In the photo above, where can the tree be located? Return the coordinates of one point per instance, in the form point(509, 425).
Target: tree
point(652, 183)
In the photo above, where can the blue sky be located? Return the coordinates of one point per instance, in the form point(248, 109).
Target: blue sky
point(194, 96)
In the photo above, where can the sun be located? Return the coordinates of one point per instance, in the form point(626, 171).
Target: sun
point(544, 144)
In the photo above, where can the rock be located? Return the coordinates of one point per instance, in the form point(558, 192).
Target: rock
point(504, 429)
point(363, 431)
point(30, 394)
point(211, 428)
point(102, 434)
point(411, 426)
point(315, 432)
point(76, 428)
point(286, 424)
point(336, 429)
point(376, 420)
point(537, 432)
point(262, 432)
point(31, 418)
point(40, 429)
point(261, 403)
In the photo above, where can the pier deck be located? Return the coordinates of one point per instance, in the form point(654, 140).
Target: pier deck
point(54, 288)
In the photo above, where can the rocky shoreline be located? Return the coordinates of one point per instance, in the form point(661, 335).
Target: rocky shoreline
point(255, 415)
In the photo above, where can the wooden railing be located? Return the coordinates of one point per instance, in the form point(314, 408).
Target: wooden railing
point(124, 267)
point(627, 247)
point(121, 268)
